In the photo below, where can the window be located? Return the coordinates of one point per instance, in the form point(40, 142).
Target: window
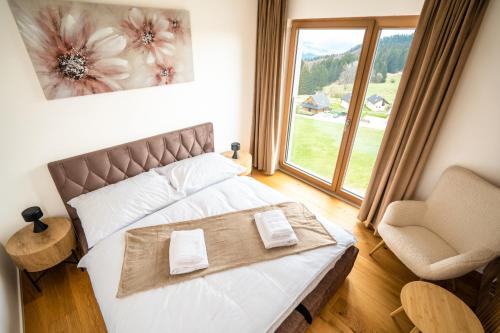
point(343, 75)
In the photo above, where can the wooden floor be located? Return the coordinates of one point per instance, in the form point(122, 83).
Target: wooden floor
point(371, 290)
point(363, 304)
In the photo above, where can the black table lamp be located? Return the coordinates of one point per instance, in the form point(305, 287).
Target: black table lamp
point(34, 214)
point(235, 146)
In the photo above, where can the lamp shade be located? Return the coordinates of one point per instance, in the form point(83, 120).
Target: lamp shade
point(34, 214)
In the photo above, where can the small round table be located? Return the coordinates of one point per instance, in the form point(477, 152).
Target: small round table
point(36, 252)
point(433, 309)
point(244, 159)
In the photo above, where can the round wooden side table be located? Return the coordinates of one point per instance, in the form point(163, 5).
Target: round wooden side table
point(244, 159)
point(433, 309)
point(37, 252)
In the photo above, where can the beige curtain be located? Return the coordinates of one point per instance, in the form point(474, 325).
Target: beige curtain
point(271, 25)
point(444, 36)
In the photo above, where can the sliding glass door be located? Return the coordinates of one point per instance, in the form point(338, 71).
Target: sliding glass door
point(343, 75)
point(322, 83)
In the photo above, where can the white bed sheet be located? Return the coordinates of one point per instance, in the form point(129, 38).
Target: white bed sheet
point(254, 298)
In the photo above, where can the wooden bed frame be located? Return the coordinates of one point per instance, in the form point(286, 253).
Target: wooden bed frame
point(88, 172)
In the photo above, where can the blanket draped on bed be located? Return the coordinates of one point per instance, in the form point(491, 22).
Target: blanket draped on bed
point(232, 240)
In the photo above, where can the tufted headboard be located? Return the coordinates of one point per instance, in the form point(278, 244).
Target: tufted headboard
point(88, 172)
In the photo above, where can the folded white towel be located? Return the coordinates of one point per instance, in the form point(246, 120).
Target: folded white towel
point(187, 251)
point(269, 243)
point(275, 224)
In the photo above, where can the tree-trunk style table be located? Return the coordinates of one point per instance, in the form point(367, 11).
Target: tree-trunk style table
point(36, 252)
point(433, 309)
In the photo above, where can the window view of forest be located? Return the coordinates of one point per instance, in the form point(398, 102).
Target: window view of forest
point(318, 72)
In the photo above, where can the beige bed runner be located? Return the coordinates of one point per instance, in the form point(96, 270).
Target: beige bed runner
point(232, 240)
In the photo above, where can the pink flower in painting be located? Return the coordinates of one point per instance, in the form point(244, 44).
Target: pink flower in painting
point(158, 74)
point(163, 74)
point(149, 34)
point(71, 58)
point(177, 24)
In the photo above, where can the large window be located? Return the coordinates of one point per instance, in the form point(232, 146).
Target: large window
point(343, 76)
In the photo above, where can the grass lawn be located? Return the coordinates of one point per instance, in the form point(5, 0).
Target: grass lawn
point(315, 146)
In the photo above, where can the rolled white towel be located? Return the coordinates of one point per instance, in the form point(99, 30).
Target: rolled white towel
point(275, 224)
point(269, 243)
point(187, 251)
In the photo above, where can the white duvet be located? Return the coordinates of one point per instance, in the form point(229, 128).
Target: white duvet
point(255, 298)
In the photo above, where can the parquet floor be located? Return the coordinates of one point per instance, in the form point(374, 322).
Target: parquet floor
point(363, 304)
point(371, 290)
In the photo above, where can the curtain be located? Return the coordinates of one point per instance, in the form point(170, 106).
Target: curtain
point(271, 25)
point(443, 38)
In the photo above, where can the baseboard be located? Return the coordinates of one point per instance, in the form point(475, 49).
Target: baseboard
point(20, 302)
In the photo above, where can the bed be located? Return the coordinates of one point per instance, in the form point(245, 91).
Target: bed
point(280, 295)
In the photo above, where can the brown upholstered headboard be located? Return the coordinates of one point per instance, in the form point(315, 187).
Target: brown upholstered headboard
point(88, 172)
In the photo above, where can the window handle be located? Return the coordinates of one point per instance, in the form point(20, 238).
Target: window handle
point(347, 124)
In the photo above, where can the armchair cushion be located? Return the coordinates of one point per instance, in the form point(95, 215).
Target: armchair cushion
point(417, 247)
point(461, 264)
point(405, 213)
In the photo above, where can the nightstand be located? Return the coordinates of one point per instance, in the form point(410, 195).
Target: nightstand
point(37, 252)
point(244, 159)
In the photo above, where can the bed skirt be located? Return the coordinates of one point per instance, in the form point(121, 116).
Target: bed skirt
point(296, 322)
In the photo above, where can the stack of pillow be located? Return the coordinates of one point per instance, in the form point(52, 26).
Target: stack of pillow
point(193, 174)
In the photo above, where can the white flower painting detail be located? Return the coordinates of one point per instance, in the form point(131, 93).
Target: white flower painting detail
point(84, 48)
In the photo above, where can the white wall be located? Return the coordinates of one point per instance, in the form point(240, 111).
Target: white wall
point(34, 131)
point(470, 134)
point(9, 301)
point(352, 8)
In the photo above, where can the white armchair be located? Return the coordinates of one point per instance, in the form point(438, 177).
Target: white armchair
point(453, 232)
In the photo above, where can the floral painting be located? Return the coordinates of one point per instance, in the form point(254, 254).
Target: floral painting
point(85, 48)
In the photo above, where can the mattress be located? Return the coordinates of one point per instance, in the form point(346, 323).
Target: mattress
point(254, 298)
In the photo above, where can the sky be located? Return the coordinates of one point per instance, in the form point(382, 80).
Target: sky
point(335, 41)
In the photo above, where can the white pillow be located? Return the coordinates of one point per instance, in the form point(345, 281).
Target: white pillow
point(104, 211)
point(193, 174)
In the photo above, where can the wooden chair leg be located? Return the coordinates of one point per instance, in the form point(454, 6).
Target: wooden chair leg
point(415, 330)
point(378, 246)
point(453, 285)
point(397, 311)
